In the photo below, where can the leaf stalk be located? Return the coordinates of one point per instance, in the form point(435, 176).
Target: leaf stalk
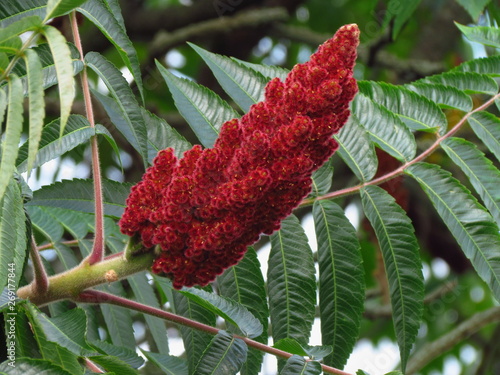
point(96, 297)
point(97, 253)
point(389, 176)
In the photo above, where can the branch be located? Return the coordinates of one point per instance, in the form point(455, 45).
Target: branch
point(401, 169)
point(491, 351)
point(434, 349)
point(41, 282)
point(385, 310)
point(383, 59)
point(71, 283)
point(95, 296)
point(97, 253)
point(164, 40)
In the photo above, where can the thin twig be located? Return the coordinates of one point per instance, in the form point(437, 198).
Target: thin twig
point(163, 40)
point(382, 58)
point(95, 296)
point(97, 253)
point(385, 310)
point(434, 349)
point(51, 245)
point(401, 169)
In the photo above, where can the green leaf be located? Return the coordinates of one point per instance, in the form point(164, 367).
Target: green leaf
point(244, 284)
point(225, 355)
point(106, 15)
point(64, 70)
point(25, 342)
point(470, 224)
point(9, 36)
point(48, 349)
point(45, 223)
point(487, 128)
point(36, 104)
point(416, 111)
point(144, 294)
point(293, 347)
point(66, 256)
point(118, 319)
point(322, 179)
point(56, 8)
point(485, 65)
point(244, 85)
point(13, 129)
point(103, 131)
point(204, 110)
point(114, 6)
point(402, 263)
point(12, 235)
point(12, 45)
point(291, 283)
point(298, 365)
point(11, 11)
point(486, 35)
point(268, 71)
point(52, 145)
point(385, 128)
point(356, 149)
point(58, 354)
point(126, 114)
point(341, 280)
point(78, 195)
point(126, 355)
point(446, 96)
point(49, 76)
point(195, 341)
point(474, 7)
point(113, 364)
point(483, 175)
point(469, 82)
point(400, 13)
point(67, 330)
point(29, 366)
point(170, 365)
point(3, 105)
point(161, 135)
point(4, 62)
point(232, 312)
point(76, 223)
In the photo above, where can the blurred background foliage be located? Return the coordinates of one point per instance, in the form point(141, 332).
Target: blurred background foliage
point(401, 41)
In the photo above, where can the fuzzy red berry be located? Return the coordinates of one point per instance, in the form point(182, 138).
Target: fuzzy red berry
point(206, 208)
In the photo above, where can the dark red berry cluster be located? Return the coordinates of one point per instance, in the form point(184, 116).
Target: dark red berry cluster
point(204, 209)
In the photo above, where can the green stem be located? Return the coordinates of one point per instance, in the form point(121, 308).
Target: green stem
point(401, 169)
point(51, 245)
point(27, 43)
point(95, 297)
point(97, 253)
point(69, 284)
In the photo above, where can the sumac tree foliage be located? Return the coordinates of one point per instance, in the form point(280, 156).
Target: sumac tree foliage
point(176, 252)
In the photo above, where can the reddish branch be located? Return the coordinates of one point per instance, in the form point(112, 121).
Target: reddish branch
point(94, 296)
point(98, 248)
